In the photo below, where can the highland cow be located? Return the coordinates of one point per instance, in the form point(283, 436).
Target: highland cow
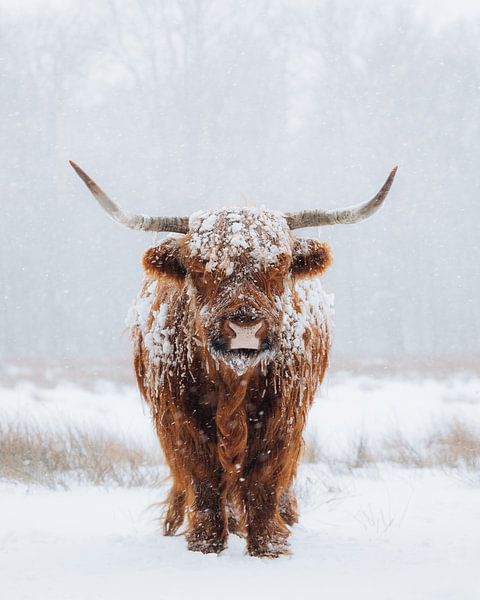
point(231, 335)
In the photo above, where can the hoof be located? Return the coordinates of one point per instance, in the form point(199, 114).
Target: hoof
point(206, 546)
point(268, 548)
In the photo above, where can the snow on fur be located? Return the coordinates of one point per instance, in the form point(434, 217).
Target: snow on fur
point(220, 236)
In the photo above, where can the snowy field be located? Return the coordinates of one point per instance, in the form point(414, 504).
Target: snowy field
point(389, 497)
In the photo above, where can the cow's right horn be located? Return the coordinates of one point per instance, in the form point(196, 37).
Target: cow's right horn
point(138, 222)
point(351, 214)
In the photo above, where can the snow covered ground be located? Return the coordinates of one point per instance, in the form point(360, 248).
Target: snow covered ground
point(375, 531)
point(395, 535)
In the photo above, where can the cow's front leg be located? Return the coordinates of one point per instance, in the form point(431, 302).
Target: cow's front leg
point(266, 531)
point(207, 530)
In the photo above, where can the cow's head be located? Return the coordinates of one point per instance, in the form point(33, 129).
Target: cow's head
point(238, 263)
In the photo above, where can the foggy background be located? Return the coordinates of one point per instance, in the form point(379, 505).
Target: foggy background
point(186, 104)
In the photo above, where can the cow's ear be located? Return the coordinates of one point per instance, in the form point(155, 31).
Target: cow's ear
point(310, 257)
point(164, 260)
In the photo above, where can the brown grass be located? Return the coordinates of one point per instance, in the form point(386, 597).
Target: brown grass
point(49, 374)
point(67, 457)
point(62, 458)
point(456, 446)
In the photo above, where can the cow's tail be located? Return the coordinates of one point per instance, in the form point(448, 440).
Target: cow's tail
point(232, 430)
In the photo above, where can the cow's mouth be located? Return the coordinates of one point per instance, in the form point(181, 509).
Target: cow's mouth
point(241, 359)
point(243, 352)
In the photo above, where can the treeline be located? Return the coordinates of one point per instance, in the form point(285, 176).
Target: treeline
point(174, 106)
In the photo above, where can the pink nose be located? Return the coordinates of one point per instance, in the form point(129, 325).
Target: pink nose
point(246, 337)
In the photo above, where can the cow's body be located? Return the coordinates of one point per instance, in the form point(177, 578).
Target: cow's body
point(231, 431)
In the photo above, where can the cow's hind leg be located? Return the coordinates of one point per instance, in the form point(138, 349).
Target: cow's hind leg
point(175, 511)
point(288, 507)
point(236, 516)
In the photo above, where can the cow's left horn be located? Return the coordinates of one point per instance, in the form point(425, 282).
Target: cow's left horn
point(351, 214)
point(139, 222)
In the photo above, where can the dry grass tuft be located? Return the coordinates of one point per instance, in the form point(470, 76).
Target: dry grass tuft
point(458, 445)
point(61, 458)
point(455, 446)
point(313, 452)
point(362, 455)
point(399, 450)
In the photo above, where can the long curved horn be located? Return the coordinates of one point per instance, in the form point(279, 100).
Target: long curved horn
point(139, 222)
point(351, 214)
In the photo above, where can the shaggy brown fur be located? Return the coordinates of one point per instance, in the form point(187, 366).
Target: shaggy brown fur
point(232, 441)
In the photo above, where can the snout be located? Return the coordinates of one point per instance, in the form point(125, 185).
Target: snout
point(244, 336)
point(240, 332)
